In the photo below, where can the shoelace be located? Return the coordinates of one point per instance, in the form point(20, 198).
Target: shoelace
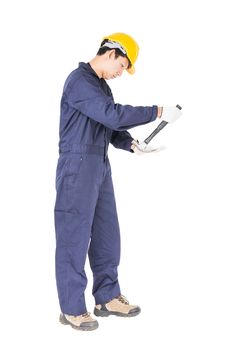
point(123, 299)
point(87, 314)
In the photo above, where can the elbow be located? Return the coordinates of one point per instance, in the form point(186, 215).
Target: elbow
point(114, 118)
point(118, 127)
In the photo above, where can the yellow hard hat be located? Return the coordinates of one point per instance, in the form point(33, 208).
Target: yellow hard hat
point(128, 44)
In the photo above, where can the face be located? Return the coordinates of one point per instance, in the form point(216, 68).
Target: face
point(114, 67)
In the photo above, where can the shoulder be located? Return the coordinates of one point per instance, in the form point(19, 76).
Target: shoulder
point(81, 77)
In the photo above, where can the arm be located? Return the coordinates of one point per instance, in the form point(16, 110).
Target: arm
point(87, 97)
point(122, 140)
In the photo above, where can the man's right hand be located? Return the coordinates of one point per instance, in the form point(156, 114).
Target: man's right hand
point(170, 114)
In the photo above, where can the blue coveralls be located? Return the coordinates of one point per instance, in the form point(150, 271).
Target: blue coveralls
point(85, 210)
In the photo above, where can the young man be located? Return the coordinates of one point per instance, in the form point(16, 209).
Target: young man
point(85, 211)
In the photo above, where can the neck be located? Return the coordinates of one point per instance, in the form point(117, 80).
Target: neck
point(96, 65)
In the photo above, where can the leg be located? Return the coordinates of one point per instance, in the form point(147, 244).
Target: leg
point(104, 250)
point(74, 211)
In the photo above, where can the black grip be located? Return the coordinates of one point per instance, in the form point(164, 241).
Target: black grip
point(178, 106)
point(158, 129)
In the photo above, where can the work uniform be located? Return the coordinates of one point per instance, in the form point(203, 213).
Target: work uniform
point(85, 210)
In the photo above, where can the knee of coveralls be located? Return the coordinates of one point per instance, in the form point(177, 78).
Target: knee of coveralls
point(74, 211)
point(104, 250)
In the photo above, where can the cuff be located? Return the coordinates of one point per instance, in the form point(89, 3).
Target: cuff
point(154, 113)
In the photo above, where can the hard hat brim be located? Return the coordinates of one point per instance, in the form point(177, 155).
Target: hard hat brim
point(131, 70)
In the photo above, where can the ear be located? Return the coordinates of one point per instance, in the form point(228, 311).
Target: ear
point(111, 54)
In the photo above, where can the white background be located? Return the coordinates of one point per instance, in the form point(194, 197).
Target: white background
point(175, 207)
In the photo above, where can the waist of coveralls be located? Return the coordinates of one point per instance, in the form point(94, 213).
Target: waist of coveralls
point(85, 149)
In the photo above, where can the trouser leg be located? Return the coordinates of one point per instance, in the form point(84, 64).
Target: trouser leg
point(104, 249)
point(74, 211)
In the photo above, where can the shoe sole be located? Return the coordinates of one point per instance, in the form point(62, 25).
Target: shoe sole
point(91, 327)
point(103, 313)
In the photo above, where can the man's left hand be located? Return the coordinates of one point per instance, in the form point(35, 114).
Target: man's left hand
point(142, 148)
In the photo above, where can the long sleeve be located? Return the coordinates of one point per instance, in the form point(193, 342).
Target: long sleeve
point(87, 97)
point(122, 140)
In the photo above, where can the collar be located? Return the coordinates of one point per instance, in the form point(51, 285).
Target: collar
point(87, 67)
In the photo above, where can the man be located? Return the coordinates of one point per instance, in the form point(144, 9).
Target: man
point(85, 211)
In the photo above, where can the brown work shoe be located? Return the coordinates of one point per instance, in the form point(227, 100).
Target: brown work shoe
point(82, 322)
point(118, 306)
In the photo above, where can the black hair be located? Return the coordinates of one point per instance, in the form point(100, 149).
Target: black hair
point(118, 52)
